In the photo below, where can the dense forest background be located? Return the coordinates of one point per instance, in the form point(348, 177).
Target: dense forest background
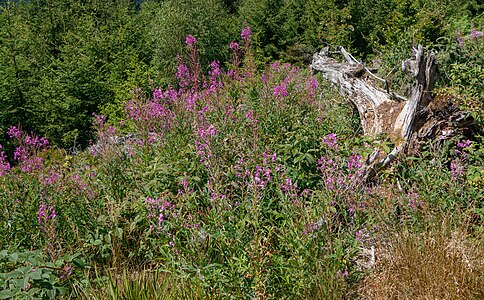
point(63, 60)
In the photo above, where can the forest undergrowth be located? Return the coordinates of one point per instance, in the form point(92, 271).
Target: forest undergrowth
point(238, 184)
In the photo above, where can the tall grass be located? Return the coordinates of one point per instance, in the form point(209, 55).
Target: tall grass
point(139, 284)
point(440, 263)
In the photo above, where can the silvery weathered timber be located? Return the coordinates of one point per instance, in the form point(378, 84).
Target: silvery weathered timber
point(405, 121)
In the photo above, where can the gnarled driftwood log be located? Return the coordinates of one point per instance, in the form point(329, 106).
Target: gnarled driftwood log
point(404, 120)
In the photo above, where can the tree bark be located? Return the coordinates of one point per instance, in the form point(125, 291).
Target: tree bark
point(405, 121)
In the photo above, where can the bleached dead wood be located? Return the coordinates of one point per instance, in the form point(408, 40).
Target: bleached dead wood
point(404, 120)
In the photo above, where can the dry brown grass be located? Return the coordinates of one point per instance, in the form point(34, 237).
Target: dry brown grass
point(437, 264)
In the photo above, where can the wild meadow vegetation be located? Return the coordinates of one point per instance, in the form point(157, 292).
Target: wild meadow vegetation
point(239, 174)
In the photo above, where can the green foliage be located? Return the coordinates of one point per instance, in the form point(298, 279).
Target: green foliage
point(241, 184)
point(169, 22)
point(248, 188)
point(144, 285)
point(28, 275)
point(284, 27)
point(462, 62)
point(65, 59)
point(16, 67)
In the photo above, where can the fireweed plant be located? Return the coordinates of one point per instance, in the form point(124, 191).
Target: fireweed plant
point(243, 183)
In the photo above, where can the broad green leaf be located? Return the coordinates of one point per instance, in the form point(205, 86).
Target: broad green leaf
point(78, 262)
point(6, 294)
point(14, 256)
point(13, 274)
point(36, 274)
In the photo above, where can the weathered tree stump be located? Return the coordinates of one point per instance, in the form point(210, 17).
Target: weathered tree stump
point(406, 121)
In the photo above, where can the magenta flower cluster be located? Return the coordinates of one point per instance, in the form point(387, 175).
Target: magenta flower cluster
point(190, 40)
point(214, 80)
point(46, 216)
point(4, 164)
point(312, 86)
point(154, 115)
point(343, 177)
point(262, 177)
point(275, 66)
point(214, 193)
point(252, 118)
point(457, 165)
point(203, 141)
point(45, 213)
point(331, 141)
point(280, 91)
point(246, 34)
point(158, 211)
point(329, 169)
point(26, 153)
point(311, 228)
point(183, 75)
point(355, 162)
point(464, 144)
point(290, 188)
point(362, 235)
point(475, 34)
point(414, 200)
point(14, 132)
point(342, 274)
point(234, 46)
point(456, 169)
point(66, 271)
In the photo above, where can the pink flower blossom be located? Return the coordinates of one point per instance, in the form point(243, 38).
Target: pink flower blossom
point(251, 117)
point(157, 94)
point(464, 144)
point(280, 91)
point(275, 66)
point(191, 102)
point(476, 34)
point(343, 274)
point(234, 46)
point(20, 153)
point(183, 75)
point(66, 271)
point(355, 162)
point(214, 76)
point(246, 34)
point(362, 235)
point(215, 68)
point(460, 41)
point(4, 164)
point(45, 213)
point(456, 169)
point(413, 200)
point(190, 40)
point(14, 132)
point(311, 86)
point(99, 119)
point(331, 141)
point(31, 163)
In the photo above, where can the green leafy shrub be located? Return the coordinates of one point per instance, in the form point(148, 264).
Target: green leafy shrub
point(29, 275)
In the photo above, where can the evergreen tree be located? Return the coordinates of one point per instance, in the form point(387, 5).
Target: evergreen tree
point(16, 66)
point(171, 21)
